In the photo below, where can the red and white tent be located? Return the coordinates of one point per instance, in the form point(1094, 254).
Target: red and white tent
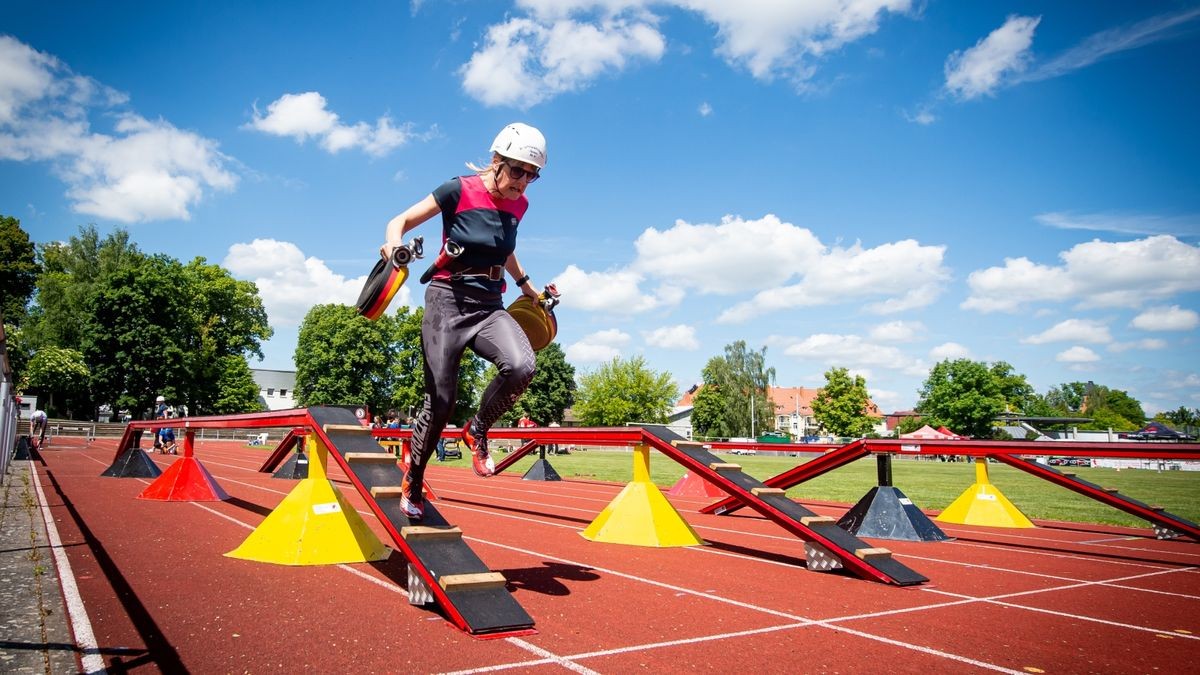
point(928, 433)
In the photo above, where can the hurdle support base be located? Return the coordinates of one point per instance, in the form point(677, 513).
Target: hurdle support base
point(640, 515)
point(983, 504)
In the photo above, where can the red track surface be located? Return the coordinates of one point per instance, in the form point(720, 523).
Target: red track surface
point(161, 596)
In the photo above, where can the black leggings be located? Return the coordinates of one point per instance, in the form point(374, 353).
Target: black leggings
point(456, 318)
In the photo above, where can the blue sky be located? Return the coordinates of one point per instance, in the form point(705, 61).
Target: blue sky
point(876, 185)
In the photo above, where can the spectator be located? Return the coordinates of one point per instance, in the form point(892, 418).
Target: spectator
point(166, 441)
point(393, 419)
point(37, 426)
point(554, 447)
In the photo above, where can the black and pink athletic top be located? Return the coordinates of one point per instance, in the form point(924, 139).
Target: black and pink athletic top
point(485, 227)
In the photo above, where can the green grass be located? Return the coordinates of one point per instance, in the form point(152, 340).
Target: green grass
point(931, 485)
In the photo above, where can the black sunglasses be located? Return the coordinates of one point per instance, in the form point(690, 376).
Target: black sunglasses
point(518, 173)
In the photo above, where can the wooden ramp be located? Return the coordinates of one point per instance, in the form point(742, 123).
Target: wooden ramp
point(1165, 524)
point(442, 568)
point(826, 544)
point(795, 476)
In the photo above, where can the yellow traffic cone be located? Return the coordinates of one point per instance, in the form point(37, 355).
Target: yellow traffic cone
point(313, 525)
point(640, 515)
point(984, 504)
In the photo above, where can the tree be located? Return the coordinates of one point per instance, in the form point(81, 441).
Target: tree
point(708, 413)
point(236, 390)
point(132, 338)
point(964, 395)
point(1018, 394)
point(624, 391)
point(343, 358)
point(551, 391)
point(741, 379)
point(60, 378)
point(225, 320)
point(1067, 398)
point(70, 274)
point(841, 406)
point(18, 270)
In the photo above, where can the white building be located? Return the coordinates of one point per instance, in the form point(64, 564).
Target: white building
point(276, 388)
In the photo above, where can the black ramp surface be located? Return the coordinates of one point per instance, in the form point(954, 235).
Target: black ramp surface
point(842, 544)
point(483, 610)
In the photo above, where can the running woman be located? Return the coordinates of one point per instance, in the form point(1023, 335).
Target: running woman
point(463, 302)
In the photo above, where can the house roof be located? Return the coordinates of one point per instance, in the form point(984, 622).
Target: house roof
point(787, 400)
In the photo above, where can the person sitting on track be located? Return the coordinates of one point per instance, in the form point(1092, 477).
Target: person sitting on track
point(463, 302)
point(166, 441)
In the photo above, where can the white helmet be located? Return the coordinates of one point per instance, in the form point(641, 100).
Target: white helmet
point(160, 399)
point(521, 142)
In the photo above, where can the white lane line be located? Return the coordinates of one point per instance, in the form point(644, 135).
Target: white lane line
point(81, 625)
point(800, 620)
point(962, 599)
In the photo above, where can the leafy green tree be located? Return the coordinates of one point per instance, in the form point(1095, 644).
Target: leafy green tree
point(1117, 401)
point(343, 358)
point(236, 390)
point(71, 273)
point(60, 378)
point(1018, 394)
point(133, 339)
point(1107, 418)
point(741, 378)
point(1067, 398)
point(1182, 419)
point(551, 391)
point(909, 425)
point(624, 391)
point(841, 406)
point(708, 413)
point(964, 395)
point(18, 270)
point(225, 319)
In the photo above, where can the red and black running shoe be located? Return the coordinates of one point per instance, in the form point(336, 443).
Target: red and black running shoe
point(476, 440)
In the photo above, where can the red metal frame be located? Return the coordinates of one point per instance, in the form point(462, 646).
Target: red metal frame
point(792, 477)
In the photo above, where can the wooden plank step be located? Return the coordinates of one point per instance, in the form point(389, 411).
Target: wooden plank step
point(356, 428)
point(1111, 490)
point(1069, 475)
point(868, 553)
point(425, 533)
point(1157, 507)
point(762, 491)
point(725, 466)
point(814, 520)
point(387, 492)
point(370, 457)
point(687, 444)
point(462, 582)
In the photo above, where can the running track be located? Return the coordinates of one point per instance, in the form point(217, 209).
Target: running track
point(160, 596)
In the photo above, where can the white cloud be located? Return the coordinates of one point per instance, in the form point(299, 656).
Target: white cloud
point(897, 331)
point(1123, 223)
point(1166, 318)
point(1072, 330)
point(524, 61)
point(1112, 41)
point(144, 170)
point(904, 275)
point(1146, 344)
point(949, 351)
point(782, 38)
point(291, 283)
point(735, 256)
point(565, 45)
point(681, 337)
point(1077, 354)
point(615, 292)
point(980, 70)
point(598, 347)
point(705, 109)
point(852, 352)
point(1096, 273)
point(304, 116)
